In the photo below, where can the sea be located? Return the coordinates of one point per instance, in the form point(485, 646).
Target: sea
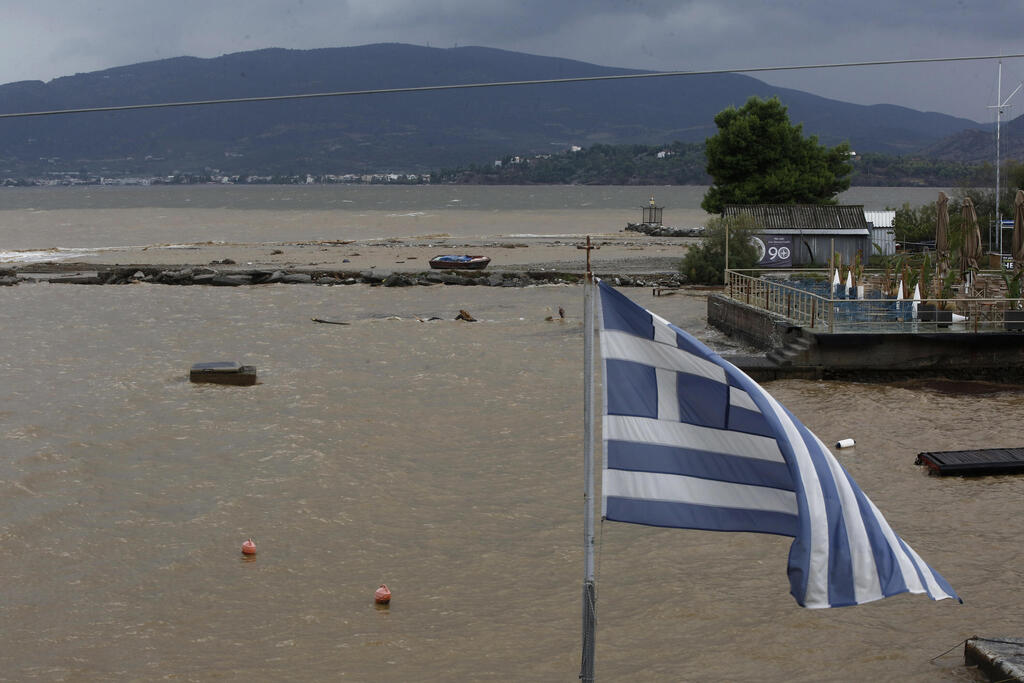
point(439, 457)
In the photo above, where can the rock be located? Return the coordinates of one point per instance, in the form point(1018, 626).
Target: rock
point(87, 278)
point(268, 278)
point(397, 280)
point(231, 280)
point(175, 276)
point(328, 280)
point(372, 278)
point(450, 279)
point(297, 278)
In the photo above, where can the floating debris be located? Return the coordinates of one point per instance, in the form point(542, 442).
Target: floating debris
point(223, 372)
point(464, 315)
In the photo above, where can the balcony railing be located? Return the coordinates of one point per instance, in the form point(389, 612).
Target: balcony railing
point(809, 300)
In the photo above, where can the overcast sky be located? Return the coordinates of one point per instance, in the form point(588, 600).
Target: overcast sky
point(45, 39)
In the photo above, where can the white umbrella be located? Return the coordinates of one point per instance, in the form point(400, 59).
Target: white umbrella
point(917, 299)
point(849, 282)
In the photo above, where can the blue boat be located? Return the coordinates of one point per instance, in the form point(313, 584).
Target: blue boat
point(459, 262)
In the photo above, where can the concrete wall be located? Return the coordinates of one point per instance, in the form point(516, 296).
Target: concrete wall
point(985, 355)
point(753, 325)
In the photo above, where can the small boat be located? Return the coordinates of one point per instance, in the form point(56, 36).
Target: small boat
point(459, 262)
point(223, 372)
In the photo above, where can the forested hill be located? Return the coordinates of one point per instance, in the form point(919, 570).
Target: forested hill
point(684, 164)
point(407, 131)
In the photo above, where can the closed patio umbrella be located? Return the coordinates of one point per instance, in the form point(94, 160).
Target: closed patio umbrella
point(941, 241)
point(942, 230)
point(972, 240)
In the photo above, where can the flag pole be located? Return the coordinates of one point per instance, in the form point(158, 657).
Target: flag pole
point(589, 594)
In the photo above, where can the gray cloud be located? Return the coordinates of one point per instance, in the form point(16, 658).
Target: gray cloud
point(50, 38)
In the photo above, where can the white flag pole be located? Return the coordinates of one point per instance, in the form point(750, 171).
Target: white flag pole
point(589, 594)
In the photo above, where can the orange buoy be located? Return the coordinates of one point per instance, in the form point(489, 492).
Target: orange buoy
point(249, 548)
point(382, 595)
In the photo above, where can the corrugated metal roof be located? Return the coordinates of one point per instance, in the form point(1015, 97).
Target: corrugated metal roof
point(802, 216)
point(815, 231)
point(883, 219)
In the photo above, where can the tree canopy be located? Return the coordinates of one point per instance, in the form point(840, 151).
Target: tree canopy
point(759, 157)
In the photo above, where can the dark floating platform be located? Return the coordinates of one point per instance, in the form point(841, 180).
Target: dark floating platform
point(974, 463)
point(1001, 659)
point(223, 372)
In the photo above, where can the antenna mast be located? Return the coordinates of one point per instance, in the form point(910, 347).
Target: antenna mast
point(999, 106)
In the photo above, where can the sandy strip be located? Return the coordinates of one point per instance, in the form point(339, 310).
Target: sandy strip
point(626, 252)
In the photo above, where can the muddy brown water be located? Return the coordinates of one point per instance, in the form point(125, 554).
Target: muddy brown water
point(444, 459)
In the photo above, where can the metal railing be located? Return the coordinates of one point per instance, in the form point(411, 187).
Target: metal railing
point(808, 300)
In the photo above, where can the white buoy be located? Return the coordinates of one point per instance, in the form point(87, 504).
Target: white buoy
point(844, 443)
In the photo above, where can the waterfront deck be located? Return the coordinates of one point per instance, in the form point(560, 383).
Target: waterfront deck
point(809, 299)
point(812, 329)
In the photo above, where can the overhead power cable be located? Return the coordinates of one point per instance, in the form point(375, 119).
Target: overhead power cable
point(500, 84)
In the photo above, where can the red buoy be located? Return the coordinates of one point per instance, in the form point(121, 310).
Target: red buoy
point(249, 548)
point(382, 595)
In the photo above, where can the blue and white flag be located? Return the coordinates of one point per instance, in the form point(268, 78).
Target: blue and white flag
point(691, 441)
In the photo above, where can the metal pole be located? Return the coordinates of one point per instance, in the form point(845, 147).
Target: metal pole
point(831, 269)
point(999, 105)
point(725, 275)
point(999, 116)
point(589, 596)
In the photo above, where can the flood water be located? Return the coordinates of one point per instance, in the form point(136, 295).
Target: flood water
point(442, 458)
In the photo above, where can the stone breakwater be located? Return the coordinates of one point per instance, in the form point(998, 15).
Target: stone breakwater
point(202, 275)
point(658, 230)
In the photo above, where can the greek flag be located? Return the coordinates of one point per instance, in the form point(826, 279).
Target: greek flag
point(691, 441)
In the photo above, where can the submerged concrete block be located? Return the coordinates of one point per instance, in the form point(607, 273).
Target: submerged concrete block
point(1001, 659)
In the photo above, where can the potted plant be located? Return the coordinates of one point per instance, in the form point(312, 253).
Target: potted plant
point(1013, 318)
point(858, 275)
point(941, 310)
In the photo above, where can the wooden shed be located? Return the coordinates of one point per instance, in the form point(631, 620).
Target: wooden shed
point(793, 235)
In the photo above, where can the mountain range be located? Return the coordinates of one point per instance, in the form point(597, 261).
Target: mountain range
point(413, 131)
